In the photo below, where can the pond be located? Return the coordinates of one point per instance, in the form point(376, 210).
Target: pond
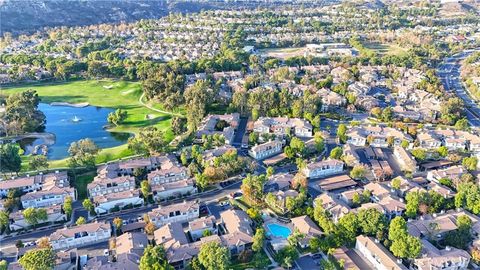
point(70, 124)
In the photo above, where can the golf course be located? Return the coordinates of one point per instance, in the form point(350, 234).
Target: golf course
point(107, 94)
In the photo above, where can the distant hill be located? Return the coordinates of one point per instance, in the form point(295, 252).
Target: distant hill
point(24, 16)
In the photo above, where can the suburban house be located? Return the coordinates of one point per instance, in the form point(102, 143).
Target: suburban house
point(331, 100)
point(209, 155)
point(54, 215)
point(323, 168)
point(198, 226)
point(180, 212)
point(448, 258)
point(47, 197)
point(283, 126)
point(281, 198)
point(376, 254)
point(279, 181)
point(35, 183)
point(405, 159)
point(308, 228)
point(102, 186)
point(209, 126)
point(80, 235)
point(128, 198)
point(266, 150)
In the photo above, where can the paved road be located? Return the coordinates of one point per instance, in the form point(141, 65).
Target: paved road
point(449, 73)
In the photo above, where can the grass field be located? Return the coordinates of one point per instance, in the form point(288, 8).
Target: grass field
point(387, 49)
point(103, 93)
point(81, 182)
point(282, 53)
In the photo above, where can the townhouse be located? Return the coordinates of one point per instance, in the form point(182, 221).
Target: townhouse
point(333, 205)
point(448, 258)
point(323, 168)
point(266, 150)
point(131, 243)
point(198, 227)
point(119, 200)
point(277, 182)
point(376, 254)
point(283, 125)
point(80, 235)
point(453, 173)
point(49, 197)
point(169, 170)
point(35, 183)
point(405, 159)
point(454, 140)
point(54, 215)
point(180, 212)
point(102, 186)
point(209, 156)
point(308, 228)
point(128, 167)
point(173, 189)
point(211, 125)
point(376, 136)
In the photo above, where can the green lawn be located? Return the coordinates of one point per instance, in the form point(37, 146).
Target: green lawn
point(116, 94)
point(387, 48)
point(80, 183)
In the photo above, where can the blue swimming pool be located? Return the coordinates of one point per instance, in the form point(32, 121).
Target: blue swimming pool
point(279, 230)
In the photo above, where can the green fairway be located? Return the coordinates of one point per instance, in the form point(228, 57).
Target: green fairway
point(387, 49)
point(103, 93)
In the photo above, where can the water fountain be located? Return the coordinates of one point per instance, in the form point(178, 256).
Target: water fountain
point(76, 119)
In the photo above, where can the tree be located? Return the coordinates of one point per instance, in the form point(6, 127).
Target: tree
point(154, 258)
point(148, 140)
point(80, 221)
point(348, 227)
point(33, 216)
point(82, 153)
point(258, 240)
point(371, 221)
point(67, 206)
point(319, 142)
point(270, 171)
point(145, 188)
point(342, 133)
point(4, 220)
point(297, 146)
point(3, 265)
point(419, 154)
point(38, 259)
point(252, 188)
point(21, 111)
point(38, 162)
point(336, 152)
point(118, 222)
point(299, 181)
point(201, 180)
point(10, 157)
point(470, 163)
point(468, 197)
point(462, 237)
point(88, 205)
point(358, 172)
point(117, 117)
point(408, 247)
point(43, 243)
point(413, 203)
point(179, 125)
point(462, 124)
point(387, 114)
point(396, 183)
point(442, 151)
point(214, 256)
point(150, 228)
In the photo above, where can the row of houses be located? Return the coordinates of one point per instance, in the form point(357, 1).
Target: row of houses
point(115, 187)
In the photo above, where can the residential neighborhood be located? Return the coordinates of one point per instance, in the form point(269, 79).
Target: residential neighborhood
point(244, 135)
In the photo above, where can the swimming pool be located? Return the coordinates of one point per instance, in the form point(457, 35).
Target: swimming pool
point(279, 230)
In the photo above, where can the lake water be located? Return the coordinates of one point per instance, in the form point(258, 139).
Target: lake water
point(90, 125)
